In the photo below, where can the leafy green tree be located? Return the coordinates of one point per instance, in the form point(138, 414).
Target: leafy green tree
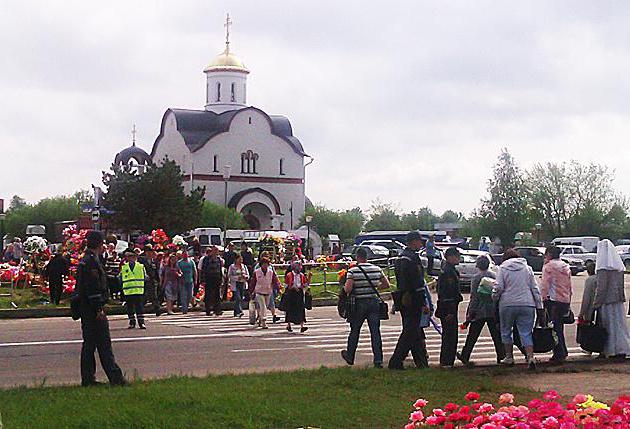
point(46, 212)
point(505, 212)
point(16, 203)
point(424, 220)
point(383, 217)
point(346, 224)
point(214, 215)
point(451, 216)
point(154, 199)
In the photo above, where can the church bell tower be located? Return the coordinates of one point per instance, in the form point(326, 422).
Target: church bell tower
point(226, 79)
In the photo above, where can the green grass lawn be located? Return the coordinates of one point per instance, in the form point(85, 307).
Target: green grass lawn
point(24, 298)
point(322, 398)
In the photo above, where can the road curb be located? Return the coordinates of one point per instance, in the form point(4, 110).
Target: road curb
point(35, 313)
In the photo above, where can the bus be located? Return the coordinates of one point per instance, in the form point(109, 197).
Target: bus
point(440, 236)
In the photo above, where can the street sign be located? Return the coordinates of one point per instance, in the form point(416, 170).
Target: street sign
point(96, 214)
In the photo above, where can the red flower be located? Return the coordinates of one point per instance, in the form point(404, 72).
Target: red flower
point(551, 395)
point(472, 396)
point(450, 407)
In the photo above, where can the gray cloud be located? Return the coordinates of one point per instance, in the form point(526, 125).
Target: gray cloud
point(407, 101)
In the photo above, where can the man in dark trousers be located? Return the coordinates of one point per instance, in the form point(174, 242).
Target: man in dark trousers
point(410, 278)
point(151, 266)
point(92, 288)
point(229, 256)
point(449, 297)
point(212, 269)
point(55, 270)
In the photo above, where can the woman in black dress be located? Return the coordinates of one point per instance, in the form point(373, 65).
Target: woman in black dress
point(296, 285)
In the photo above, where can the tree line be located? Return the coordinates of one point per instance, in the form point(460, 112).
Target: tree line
point(562, 198)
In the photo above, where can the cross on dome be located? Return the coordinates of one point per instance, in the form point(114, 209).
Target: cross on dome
point(133, 135)
point(227, 24)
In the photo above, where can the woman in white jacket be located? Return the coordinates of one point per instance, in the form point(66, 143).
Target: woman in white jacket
point(519, 300)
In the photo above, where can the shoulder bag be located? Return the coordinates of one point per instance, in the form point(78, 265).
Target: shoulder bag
point(383, 308)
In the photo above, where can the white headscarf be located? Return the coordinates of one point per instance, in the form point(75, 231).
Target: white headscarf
point(608, 257)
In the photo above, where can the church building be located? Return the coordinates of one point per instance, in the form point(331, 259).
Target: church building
point(241, 155)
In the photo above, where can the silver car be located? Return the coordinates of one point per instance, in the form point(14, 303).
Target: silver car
point(467, 267)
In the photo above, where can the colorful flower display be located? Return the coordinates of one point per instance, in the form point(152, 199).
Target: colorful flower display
point(178, 240)
point(582, 412)
point(35, 244)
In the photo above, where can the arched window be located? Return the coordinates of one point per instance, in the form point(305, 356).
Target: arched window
point(215, 164)
point(282, 166)
point(233, 91)
point(254, 159)
point(248, 162)
point(218, 91)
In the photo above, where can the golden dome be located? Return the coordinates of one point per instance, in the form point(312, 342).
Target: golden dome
point(226, 61)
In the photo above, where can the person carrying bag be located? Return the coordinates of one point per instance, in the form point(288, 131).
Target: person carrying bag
point(368, 305)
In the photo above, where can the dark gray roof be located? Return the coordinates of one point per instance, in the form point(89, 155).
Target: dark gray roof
point(135, 152)
point(199, 126)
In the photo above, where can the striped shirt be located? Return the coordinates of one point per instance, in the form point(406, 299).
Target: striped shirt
point(361, 287)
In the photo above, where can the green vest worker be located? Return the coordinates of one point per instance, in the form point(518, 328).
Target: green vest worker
point(133, 276)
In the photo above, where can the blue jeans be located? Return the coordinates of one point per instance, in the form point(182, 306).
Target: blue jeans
point(237, 296)
point(521, 316)
point(366, 309)
point(185, 295)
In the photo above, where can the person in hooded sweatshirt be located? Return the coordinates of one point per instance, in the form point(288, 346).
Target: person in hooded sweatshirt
point(610, 298)
point(519, 301)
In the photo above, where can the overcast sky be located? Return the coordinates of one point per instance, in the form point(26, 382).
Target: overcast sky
point(409, 101)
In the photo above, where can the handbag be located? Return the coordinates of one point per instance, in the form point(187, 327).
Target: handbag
point(282, 305)
point(75, 305)
point(308, 301)
point(591, 337)
point(568, 318)
point(343, 304)
point(545, 339)
point(383, 308)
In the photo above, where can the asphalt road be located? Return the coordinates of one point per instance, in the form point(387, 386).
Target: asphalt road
point(34, 351)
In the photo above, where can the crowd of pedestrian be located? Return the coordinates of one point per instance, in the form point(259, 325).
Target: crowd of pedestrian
point(510, 303)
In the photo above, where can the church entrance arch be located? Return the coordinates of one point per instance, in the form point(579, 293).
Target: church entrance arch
point(257, 216)
point(258, 206)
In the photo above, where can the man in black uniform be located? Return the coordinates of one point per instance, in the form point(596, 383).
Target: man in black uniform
point(152, 285)
point(413, 303)
point(92, 289)
point(449, 297)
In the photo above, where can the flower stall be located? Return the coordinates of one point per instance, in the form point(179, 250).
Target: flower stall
point(546, 412)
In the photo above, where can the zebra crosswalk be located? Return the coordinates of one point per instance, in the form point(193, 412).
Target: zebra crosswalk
point(325, 334)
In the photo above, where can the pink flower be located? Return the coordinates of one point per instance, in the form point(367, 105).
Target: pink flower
point(438, 412)
point(449, 426)
point(498, 417)
point(478, 421)
point(486, 408)
point(551, 395)
point(550, 422)
point(580, 398)
point(472, 396)
point(433, 421)
point(416, 416)
point(535, 403)
point(420, 403)
point(410, 426)
point(506, 398)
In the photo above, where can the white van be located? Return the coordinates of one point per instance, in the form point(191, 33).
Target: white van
point(206, 236)
point(589, 243)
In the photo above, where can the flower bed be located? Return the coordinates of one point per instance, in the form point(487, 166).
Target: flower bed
point(544, 413)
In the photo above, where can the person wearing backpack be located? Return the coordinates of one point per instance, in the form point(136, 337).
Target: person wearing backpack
point(481, 311)
point(361, 283)
point(412, 304)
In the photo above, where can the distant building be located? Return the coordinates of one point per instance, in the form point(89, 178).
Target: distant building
point(451, 228)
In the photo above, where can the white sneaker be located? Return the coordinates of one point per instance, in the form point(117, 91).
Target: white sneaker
point(508, 361)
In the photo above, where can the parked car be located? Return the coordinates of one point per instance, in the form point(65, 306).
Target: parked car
point(379, 255)
point(467, 267)
point(437, 260)
point(535, 257)
point(578, 252)
point(395, 247)
point(589, 243)
point(624, 251)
